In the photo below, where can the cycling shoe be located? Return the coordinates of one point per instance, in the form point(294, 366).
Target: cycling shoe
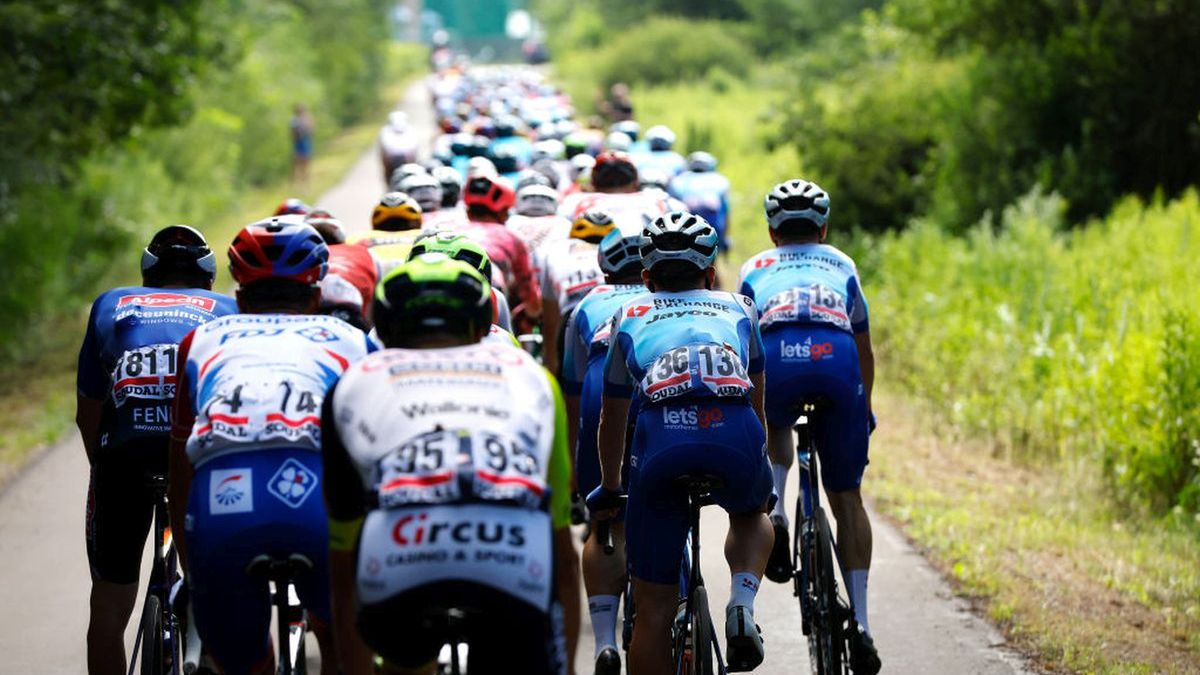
point(779, 566)
point(608, 662)
point(744, 643)
point(864, 658)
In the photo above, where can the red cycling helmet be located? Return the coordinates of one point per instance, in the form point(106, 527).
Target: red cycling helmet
point(489, 192)
point(613, 169)
point(282, 247)
point(293, 206)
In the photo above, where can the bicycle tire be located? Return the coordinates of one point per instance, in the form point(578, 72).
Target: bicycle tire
point(152, 637)
point(828, 620)
point(300, 664)
point(702, 634)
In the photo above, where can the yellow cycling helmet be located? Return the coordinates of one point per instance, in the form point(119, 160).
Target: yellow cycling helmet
point(396, 211)
point(592, 226)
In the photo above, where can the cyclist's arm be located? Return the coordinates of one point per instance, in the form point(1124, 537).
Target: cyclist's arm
point(860, 324)
point(527, 287)
point(614, 409)
point(343, 503)
point(551, 318)
point(566, 558)
point(179, 470)
point(90, 385)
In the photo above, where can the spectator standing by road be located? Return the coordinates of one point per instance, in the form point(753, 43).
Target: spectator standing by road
point(301, 127)
point(618, 107)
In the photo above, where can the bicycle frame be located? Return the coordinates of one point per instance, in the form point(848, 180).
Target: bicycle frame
point(691, 579)
point(163, 567)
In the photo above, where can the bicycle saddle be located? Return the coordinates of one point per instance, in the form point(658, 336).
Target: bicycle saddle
point(271, 566)
point(699, 485)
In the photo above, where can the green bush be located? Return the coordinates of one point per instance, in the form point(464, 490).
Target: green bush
point(663, 50)
point(1079, 344)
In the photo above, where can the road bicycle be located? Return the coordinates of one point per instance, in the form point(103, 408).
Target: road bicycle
point(158, 645)
point(826, 616)
point(282, 572)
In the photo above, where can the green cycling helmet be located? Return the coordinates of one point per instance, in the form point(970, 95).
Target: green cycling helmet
point(454, 245)
point(432, 293)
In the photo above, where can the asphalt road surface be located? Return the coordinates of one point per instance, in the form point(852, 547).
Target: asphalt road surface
point(919, 626)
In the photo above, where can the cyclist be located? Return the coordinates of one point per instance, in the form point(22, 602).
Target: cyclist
point(451, 183)
point(348, 285)
point(126, 379)
point(617, 192)
point(571, 269)
point(705, 192)
point(292, 206)
point(245, 442)
point(818, 343)
point(658, 154)
point(448, 484)
point(694, 357)
point(459, 247)
point(395, 223)
point(488, 199)
point(536, 221)
point(585, 344)
point(425, 189)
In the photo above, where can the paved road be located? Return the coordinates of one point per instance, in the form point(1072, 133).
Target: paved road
point(919, 626)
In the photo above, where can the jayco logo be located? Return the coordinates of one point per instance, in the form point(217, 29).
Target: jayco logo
point(693, 417)
point(805, 351)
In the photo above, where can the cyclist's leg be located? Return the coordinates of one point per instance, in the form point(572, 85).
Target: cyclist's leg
point(120, 510)
point(232, 610)
point(656, 524)
point(603, 574)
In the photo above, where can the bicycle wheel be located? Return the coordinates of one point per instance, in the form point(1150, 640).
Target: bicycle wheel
point(827, 624)
point(152, 637)
point(702, 634)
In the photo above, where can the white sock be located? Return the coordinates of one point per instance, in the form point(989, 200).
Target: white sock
point(779, 473)
point(858, 597)
point(603, 609)
point(743, 588)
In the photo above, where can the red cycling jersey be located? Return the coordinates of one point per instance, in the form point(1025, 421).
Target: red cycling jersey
point(510, 255)
point(356, 265)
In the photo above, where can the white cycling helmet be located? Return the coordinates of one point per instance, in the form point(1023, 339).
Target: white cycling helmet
point(424, 188)
point(549, 149)
point(701, 162)
point(796, 200)
point(481, 166)
point(618, 141)
point(660, 138)
point(537, 200)
point(618, 251)
point(679, 236)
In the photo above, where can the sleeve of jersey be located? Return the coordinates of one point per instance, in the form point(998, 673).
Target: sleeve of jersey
point(523, 272)
point(559, 471)
point(90, 379)
point(343, 486)
point(859, 322)
point(756, 362)
point(617, 381)
point(572, 374)
point(183, 412)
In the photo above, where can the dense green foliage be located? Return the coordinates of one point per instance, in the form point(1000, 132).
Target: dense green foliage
point(1057, 343)
point(121, 131)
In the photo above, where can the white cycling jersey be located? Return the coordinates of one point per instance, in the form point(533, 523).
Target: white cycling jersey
point(572, 269)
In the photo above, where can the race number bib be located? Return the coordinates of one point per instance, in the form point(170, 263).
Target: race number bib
point(426, 469)
point(696, 370)
point(807, 304)
point(145, 373)
point(247, 411)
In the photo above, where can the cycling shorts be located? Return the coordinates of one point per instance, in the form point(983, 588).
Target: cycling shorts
point(587, 454)
point(504, 634)
point(808, 361)
point(701, 436)
point(243, 505)
point(120, 507)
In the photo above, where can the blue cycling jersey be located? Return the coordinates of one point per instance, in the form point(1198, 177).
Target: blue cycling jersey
point(691, 344)
point(589, 331)
point(668, 161)
point(519, 145)
point(706, 194)
point(813, 284)
point(130, 353)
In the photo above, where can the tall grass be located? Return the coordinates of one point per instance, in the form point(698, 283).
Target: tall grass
point(1077, 345)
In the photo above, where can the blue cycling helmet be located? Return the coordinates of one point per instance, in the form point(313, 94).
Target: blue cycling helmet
point(680, 236)
point(618, 252)
point(282, 247)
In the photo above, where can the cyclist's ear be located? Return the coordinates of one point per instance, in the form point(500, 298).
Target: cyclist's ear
point(710, 278)
point(646, 280)
point(824, 231)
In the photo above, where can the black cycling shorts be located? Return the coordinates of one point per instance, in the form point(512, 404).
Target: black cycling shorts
point(505, 635)
point(120, 508)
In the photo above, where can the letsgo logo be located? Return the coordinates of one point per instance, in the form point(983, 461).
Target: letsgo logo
point(693, 417)
point(805, 351)
point(168, 300)
point(419, 530)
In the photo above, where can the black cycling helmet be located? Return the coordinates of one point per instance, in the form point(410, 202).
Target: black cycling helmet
point(432, 293)
point(178, 251)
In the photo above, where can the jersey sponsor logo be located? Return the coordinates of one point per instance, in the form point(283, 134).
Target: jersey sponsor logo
point(765, 262)
point(680, 314)
point(231, 491)
point(292, 483)
point(419, 530)
point(637, 310)
point(805, 351)
point(693, 417)
point(453, 407)
point(169, 300)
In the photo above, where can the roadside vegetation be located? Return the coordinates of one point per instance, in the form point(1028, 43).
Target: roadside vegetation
point(89, 172)
point(1017, 184)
